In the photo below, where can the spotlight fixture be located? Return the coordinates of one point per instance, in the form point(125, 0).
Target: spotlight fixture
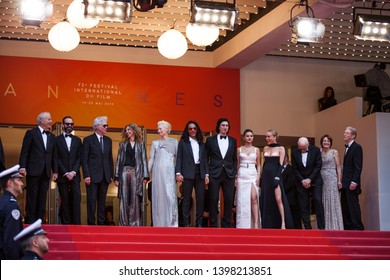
point(375, 25)
point(217, 14)
point(34, 12)
point(306, 29)
point(119, 11)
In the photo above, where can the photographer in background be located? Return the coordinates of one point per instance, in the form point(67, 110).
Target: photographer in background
point(378, 77)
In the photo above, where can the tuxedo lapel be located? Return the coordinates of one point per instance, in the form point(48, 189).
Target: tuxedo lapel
point(40, 137)
point(349, 149)
point(97, 143)
point(310, 152)
point(215, 141)
point(188, 145)
point(63, 142)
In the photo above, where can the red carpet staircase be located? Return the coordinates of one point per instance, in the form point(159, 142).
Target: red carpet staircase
point(150, 243)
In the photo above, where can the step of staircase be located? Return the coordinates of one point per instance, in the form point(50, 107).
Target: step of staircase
point(150, 243)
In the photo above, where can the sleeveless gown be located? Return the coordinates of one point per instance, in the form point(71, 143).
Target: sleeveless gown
point(247, 174)
point(330, 193)
point(270, 215)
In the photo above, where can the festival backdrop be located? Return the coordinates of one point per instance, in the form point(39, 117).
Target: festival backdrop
point(124, 92)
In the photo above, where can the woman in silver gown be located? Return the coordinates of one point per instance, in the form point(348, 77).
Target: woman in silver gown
point(130, 173)
point(248, 178)
point(162, 167)
point(331, 175)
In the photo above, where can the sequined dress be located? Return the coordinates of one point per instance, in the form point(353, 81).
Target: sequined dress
point(330, 193)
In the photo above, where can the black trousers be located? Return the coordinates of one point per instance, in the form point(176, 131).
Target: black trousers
point(304, 205)
point(96, 194)
point(70, 202)
point(188, 186)
point(227, 185)
point(36, 194)
point(351, 209)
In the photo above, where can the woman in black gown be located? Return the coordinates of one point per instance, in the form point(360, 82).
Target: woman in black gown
point(275, 211)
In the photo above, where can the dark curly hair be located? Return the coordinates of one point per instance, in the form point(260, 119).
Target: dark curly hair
point(221, 120)
point(186, 136)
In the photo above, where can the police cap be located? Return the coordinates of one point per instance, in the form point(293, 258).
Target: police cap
point(30, 231)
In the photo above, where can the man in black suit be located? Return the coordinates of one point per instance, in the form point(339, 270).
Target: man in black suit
point(192, 170)
point(352, 169)
point(98, 170)
point(36, 159)
point(222, 159)
point(307, 163)
point(67, 162)
point(290, 187)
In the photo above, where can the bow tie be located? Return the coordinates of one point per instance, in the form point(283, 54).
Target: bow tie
point(222, 137)
point(68, 135)
point(45, 131)
point(346, 146)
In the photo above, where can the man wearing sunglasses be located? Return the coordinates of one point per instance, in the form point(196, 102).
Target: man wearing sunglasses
point(67, 162)
point(98, 169)
point(192, 171)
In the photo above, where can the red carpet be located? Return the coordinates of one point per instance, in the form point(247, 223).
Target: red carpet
point(151, 243)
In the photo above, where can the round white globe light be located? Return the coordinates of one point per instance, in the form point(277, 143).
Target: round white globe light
point(172, 44)
point(75, 16)
point(201, 35)
point(64, 37)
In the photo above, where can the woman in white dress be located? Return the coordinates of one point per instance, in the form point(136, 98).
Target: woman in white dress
point(248, 178)
point(164, 190)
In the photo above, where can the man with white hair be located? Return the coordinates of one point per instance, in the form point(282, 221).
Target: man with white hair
point(307, 163)
point(98, 170)
point(35, 161)
point(10, 217)
point(351, 189)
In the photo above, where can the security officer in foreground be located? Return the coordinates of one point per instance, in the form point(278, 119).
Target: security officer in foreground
point(10, 217)
point(33, 241)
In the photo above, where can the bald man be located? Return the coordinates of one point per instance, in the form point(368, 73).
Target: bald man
point(307, 162)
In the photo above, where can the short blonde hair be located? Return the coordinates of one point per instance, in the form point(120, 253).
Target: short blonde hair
point(166, 124)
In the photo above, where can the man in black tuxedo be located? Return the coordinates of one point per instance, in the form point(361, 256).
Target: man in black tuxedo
point(36, 159)
point(352, 169)
point(290, 187)
point(192, 170)
point(98, 170)
point(67, 162)
point(222, 159)
point(307, 163)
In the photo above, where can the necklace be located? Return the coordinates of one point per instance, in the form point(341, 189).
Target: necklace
point(248, 148)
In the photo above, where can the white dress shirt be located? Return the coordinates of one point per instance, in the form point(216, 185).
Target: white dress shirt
point(304, 159)
point(195, 149)
point(223, 145)
point(44, 136)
